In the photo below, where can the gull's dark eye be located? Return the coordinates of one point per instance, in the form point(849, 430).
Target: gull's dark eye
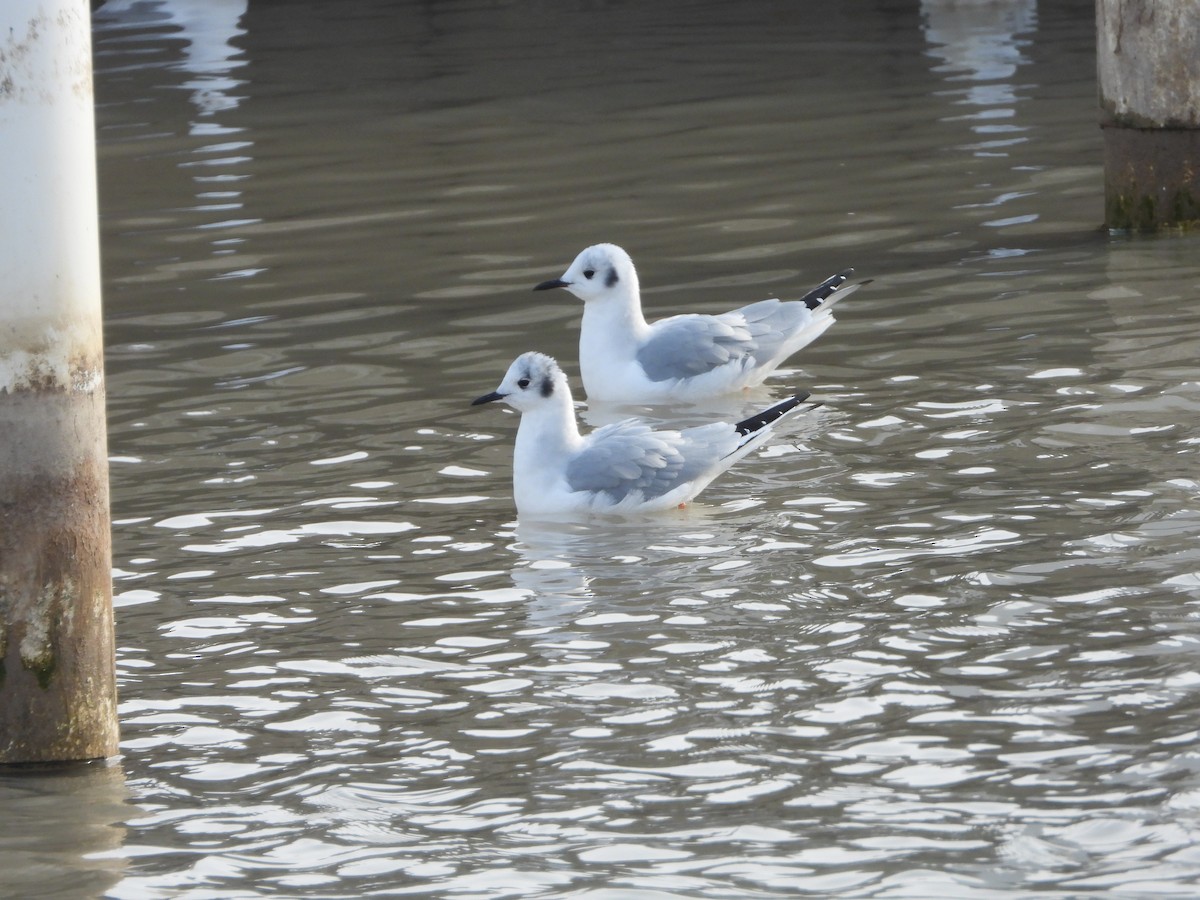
point(523, 383)
point(588, 273)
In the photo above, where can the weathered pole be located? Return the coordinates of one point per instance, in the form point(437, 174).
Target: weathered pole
point(1148, 63)
point(57, 673)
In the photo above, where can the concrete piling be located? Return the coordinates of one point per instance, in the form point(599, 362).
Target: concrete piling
point(1148, 63)
point(57, 669)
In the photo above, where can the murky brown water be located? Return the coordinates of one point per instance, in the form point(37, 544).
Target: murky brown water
point(940, 639)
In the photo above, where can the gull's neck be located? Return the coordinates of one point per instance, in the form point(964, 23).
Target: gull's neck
point(613, 328)
point(546, 436)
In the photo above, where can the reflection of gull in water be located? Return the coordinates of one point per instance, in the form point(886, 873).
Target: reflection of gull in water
point(209, 27)
point(548, 568)
point(980, 39)
point(571, 569)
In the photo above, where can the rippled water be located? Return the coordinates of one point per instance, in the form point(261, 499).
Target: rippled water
point(939, 639)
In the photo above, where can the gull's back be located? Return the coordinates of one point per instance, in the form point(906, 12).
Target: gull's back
point(628, 462)
point(703, 354)
point(754, 336)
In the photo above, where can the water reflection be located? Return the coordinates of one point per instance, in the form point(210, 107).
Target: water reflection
point(63, 830)
point(981, 41)
point(936, 638)
point(209, 29)
point(218, 163)
point(550, 573)
point(585, 574)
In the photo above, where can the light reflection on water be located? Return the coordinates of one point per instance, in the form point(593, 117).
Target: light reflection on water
point(938, 638)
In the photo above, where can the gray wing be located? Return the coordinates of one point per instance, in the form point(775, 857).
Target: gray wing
point(683, 346)
point(629, 457)
point(688, 345)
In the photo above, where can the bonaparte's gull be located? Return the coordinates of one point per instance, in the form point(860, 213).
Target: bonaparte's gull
point(623, 468)
point(623, 358)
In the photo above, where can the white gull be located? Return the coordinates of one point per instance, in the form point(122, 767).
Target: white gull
point(624, 359)
point(621, 469)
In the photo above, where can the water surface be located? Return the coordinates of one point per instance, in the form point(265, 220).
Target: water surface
point(939, 638)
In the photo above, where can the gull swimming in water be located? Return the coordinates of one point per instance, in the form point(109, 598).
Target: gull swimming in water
point(625, 359)
point(623, 468)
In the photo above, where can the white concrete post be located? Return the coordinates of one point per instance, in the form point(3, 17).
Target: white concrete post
point(57, 672)
point(1148, 63)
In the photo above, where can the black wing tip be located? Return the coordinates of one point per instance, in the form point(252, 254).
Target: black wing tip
point(826, 289)
point(761, 420)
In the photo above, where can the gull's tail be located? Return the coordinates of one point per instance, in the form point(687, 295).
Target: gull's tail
point(756, 423)
point(826, 293)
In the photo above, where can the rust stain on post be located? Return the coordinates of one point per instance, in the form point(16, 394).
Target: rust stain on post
point(57, 684)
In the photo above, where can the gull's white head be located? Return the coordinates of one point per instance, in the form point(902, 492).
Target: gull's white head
point(533, 380)
point(602, 271)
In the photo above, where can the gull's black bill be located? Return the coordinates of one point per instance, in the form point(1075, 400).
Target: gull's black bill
point(553, 283)
point(488, 398)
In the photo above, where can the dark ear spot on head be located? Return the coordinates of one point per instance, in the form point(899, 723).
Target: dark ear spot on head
point(547, 386)
point(611, 278)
